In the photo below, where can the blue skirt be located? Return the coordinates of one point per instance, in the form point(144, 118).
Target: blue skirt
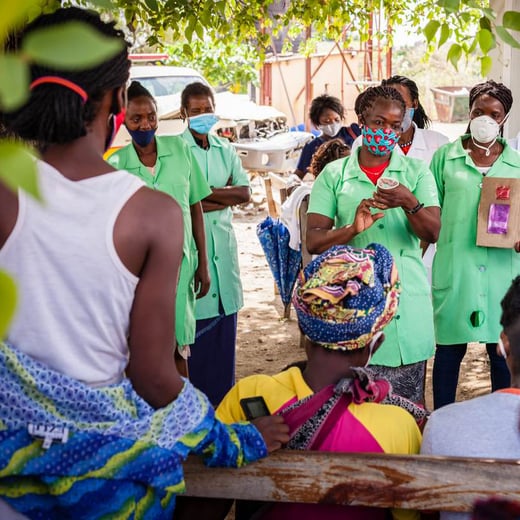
point(211, 365)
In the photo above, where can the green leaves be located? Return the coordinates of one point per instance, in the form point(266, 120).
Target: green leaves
point(486, 40)
point(445, 34)
point(449, 5)
point(511, 20)
point(8, 301)
point(73, 45)
point(506, 37)
point(431, 30)
point(14, 81)
point(17, 168)
point(12, 13)
point(454, 55)
point(485, 65)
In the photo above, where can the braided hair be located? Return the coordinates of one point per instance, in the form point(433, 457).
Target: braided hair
point(136, 90)
point(57, 115)
point(357, 104)
point(322, 103)
point(492, 88)
point(420, 118)
point(327, 152)
point(368, 98)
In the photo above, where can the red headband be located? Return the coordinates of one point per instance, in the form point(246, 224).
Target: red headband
point(60, 81)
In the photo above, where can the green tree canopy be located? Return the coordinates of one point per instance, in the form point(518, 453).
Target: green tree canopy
point(466, 26)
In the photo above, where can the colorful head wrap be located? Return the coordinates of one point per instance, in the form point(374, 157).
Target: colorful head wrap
point(346, 295)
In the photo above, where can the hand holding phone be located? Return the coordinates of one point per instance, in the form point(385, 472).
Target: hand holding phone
point(272, 427)
point(254, 407)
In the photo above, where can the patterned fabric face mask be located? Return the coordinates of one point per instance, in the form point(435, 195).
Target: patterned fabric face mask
point(380, 141)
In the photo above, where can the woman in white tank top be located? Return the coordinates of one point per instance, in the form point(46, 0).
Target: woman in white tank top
point(93, 410)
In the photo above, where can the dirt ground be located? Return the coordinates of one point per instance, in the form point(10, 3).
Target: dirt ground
point(267, 343)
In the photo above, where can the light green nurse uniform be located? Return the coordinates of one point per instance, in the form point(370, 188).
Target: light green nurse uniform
point(219, 163)
point(336, 194)
point(178, 174)
point(468, 281)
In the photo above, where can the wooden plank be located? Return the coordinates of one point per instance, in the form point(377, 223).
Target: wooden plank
point(272, 210)
point(411, 482)
point(306, 256)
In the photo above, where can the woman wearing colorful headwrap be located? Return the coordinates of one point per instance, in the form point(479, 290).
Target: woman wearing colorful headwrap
point(343, 299)
point(341, 211)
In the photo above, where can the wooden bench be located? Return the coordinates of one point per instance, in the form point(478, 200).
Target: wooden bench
point(412, 482)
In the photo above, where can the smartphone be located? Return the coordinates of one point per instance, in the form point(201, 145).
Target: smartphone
point(254, 407)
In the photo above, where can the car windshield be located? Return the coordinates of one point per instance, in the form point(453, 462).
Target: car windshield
point(167, 85)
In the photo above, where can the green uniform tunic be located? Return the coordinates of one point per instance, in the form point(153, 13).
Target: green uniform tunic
point(219, 163)
point(179, 175)
point(468, 281)
point(336, 193)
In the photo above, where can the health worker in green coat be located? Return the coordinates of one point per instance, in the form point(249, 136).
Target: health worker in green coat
point(469, 281)
point(165, 163)
point(346, 208)
point(212, 360)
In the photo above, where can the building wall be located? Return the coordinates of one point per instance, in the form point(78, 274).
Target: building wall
point(332, 78)
point(506, 66)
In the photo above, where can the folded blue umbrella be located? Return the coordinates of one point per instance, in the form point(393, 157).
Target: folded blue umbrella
point(283, 261)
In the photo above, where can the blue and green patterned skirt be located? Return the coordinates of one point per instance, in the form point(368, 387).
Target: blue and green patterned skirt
point(122, 459)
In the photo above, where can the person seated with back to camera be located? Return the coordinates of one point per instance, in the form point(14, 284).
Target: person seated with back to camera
point(486, 426)
point(297, 190)
point(344, 299)
point(95, 420)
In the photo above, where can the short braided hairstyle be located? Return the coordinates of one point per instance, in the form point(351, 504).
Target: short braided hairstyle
point(54, 114)
point(492, 88)
point(369, 97)
point(321, 103)
point(420, 118)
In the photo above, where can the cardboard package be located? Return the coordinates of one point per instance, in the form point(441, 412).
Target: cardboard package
point(498, 192)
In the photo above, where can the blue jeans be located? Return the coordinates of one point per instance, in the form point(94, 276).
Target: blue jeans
point(446, 368)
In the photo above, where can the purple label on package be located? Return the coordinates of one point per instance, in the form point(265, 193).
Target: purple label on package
point(498, 218)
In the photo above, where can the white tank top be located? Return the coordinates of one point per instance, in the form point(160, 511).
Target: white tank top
point(75, 294)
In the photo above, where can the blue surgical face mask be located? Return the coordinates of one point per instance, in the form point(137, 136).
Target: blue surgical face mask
point(407, 119)
point(202, 124)
point(142, 137)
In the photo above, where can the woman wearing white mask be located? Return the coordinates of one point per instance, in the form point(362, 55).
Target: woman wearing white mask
point(326, 115)
point(469, 280)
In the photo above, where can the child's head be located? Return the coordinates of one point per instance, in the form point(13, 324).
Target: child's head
point(326, 153)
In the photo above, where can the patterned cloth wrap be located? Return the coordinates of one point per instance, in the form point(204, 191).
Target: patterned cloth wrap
point(307, 417)
point(122, 458)
point(346, 295)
